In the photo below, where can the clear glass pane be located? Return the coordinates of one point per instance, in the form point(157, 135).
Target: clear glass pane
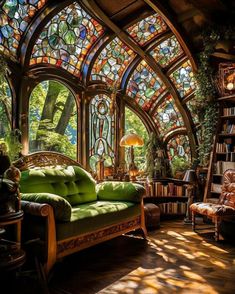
point(134, 124)
point(5, 108)
point(53, 119)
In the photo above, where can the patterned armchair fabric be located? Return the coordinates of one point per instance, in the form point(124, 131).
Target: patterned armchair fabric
point(225, 208)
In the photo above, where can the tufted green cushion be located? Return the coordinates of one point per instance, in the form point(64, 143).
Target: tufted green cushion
point(121, 191)
point(72, 183)
point(62, 208)
point(92, 216)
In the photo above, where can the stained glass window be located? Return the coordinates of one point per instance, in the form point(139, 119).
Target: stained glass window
point(167, 116)
point(167, 51)
point(144, 30)
point(183, 79)
point(53, 119)
point(179, 153)
point(5, 108)
point(112, 61)
point(192, 106)
point(101, 131)
point(145, 86)
point(15, 16)
point(66, 39)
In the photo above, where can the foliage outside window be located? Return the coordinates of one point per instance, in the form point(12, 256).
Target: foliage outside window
point(134, 124)
point(5, 107)
point(53, 119)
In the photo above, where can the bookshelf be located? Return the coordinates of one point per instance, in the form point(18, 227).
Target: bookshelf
point(171, 195)
point(223, 152)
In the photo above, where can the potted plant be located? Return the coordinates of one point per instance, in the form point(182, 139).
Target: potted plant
point(179, 165)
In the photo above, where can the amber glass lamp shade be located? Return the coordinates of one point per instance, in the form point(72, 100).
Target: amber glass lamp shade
point(131, 140)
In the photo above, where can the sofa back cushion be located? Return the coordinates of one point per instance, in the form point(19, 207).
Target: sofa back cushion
point(72, 182)
point(227, 196)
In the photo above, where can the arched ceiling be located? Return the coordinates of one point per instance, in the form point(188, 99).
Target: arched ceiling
point(144, 48)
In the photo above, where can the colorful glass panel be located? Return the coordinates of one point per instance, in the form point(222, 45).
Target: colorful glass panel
point(167, 116)
point(167, 51)
point(66, 39)
point(178, 148)
point(15, 15)
point(183, 79)
point(5, 108)
point(112, 61)
point(53, 119)
point(144, 30)
point(145, 86)
point(192, 106)
point(101, 131)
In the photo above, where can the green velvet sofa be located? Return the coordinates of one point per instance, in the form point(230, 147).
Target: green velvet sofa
point(66, 211)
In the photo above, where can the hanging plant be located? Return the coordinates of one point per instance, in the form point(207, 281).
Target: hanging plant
point(206, 105)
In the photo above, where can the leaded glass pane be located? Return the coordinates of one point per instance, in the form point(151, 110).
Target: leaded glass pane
point(112, 61)
point(145, 86)
point(144, 30)
point(167, 116)
point(5, 108)
point(183, 79)
point(53, 119)
point(15, 15)
point(66, 39)
point(167, 51)
point(101, 131)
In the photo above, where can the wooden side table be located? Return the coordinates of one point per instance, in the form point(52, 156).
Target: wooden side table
point(11, 254)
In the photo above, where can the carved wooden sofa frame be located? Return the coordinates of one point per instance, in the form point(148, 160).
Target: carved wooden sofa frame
point(58, 249)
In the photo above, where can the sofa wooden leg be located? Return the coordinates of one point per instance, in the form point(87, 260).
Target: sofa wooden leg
point(193, 221)
point(217, 227)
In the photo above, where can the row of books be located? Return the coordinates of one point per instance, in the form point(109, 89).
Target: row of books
point(173, 208)
point(159, 189)
point(221, 166)
point(229, 111)
point(223, 147)
point(228, 128)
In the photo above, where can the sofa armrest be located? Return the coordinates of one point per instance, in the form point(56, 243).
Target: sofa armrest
point(120, 191)
point(35, 208)
point(62, 208)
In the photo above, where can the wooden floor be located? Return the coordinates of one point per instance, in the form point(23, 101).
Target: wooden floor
point(173, 260)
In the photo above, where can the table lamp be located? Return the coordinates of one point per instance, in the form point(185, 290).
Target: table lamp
point(131, 140)
point(191, 178)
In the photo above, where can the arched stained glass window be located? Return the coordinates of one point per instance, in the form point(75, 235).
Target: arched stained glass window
point(167, 51)
point(145, 86)
point(53, 119)
point(5, 108)
point(66, 39)
point(167, 116)
point(15, 16)
point(183, 79)
point(192, 106)
point(179, 153)
point(101, 131)
point(112, 61)
point(144, 30)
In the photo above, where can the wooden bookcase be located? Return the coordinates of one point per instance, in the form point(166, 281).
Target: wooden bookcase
point(169, 194)
point(223, 151)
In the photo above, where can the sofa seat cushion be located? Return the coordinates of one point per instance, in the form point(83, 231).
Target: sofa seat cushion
point(72, 183)
point(211, 209)
point(93, 216)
